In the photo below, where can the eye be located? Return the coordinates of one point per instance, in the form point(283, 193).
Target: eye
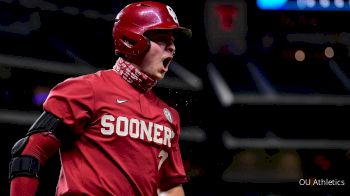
point(163, 38)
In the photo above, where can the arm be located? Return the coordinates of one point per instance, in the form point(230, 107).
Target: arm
point(31, 152)
point(67, 107)
point(175, 191)
point(39, 147)
point(172, 172)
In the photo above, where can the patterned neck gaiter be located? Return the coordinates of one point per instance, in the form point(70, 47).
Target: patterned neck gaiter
point(134, 76)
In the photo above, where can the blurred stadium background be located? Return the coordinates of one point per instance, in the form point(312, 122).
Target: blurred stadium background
point(262, 88)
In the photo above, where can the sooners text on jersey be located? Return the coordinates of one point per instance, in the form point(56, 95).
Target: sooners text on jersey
point(137, 129)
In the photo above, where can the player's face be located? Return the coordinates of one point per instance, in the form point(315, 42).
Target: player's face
point(156, 61)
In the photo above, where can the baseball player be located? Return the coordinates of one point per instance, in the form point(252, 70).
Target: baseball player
point(114, 135)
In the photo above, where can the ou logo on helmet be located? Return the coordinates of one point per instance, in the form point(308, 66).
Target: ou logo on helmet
point(172, 13)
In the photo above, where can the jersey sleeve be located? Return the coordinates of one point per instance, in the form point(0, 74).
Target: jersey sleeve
point(72, 102)
point(173, 172)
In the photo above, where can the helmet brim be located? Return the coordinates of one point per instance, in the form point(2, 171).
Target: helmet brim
point(183, 32)
point(179, 32)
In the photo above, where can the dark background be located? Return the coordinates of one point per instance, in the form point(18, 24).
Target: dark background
point(255, 122)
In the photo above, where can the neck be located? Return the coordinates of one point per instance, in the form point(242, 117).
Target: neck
point(134, 76)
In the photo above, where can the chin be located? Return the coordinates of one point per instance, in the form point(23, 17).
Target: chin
point(158, 77)
point(162, 76)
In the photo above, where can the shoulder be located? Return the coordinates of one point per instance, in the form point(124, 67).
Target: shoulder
point(83, 80)
point(74, 85)
point(168, 110)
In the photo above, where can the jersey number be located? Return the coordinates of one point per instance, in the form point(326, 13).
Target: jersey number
point(163, 156)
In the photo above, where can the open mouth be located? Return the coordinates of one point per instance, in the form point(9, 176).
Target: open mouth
point(166, 62)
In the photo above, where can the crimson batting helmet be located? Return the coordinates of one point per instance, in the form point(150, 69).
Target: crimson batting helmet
point(134, 20)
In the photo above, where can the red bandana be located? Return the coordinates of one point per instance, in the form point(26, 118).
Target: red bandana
point(134, 76)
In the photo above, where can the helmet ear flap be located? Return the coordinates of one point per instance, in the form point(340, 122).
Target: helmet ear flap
point(129, 44)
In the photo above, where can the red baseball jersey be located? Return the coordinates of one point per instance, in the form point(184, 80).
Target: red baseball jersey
point(127, 141)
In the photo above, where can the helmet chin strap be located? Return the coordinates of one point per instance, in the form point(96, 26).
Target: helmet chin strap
point(134, 76)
